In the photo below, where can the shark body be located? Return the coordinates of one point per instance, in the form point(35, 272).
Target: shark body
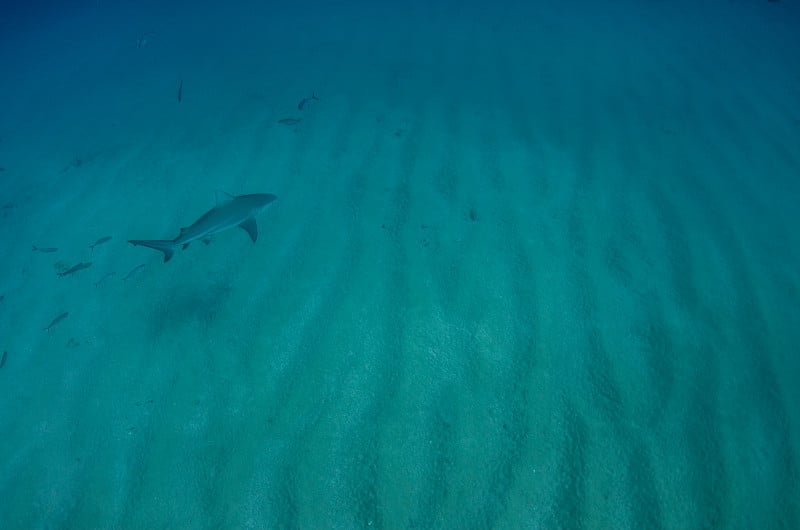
point(230, 211)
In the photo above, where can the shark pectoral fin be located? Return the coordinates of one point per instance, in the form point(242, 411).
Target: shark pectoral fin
point(167, 247)
point(249, 225)
point(185, 246)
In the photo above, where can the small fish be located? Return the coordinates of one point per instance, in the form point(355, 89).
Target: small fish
point(180, 92)
point(2, 297)
point(46, 250)
point(3, 359)
point(144, 39)
point(306, 101)
point(56, 320)
point(290, 121)
point(104, 278)
point(133, 270)
point(100, 241)
point(76, 268)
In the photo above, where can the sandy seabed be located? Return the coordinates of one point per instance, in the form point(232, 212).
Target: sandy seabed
point(535, 268)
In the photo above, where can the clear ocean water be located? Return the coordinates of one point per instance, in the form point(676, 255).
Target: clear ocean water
point(531, 265)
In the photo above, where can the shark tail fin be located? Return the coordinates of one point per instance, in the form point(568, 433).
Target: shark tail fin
point(162, 245)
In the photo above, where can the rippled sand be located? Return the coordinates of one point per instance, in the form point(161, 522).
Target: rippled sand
point(526, 270)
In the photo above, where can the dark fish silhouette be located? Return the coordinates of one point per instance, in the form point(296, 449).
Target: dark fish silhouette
point(306, 101)
point(46, 250)
point(100, 241)
point(104, 278)
point(76, 268)
point(229, 212)
point(3, 359)
point(56, 320)
point(133, 271)
point(290, 121)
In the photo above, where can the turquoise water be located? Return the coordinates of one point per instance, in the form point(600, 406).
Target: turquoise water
point(531, 266)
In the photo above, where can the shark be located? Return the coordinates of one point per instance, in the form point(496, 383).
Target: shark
point(230, 211)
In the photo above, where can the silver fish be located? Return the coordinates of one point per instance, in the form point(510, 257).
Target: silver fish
point(76, 268)
point(306, 101)
point(133, 271)
point(56, 320)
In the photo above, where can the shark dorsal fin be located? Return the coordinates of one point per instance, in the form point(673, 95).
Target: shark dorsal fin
point(223, 198)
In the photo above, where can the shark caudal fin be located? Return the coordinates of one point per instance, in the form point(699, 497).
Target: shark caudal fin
point(162, 245)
